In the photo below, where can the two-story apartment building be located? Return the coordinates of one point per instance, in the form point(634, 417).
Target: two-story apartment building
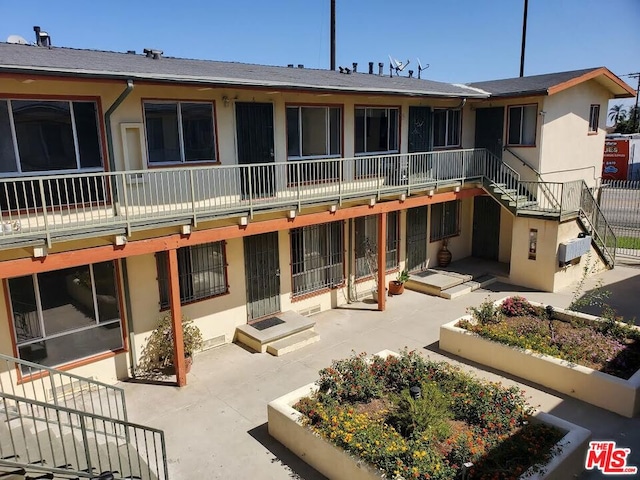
point(132, 185)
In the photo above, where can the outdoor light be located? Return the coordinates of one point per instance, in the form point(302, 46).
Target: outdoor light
point(185, 230)
point(243, 221)
point(403, 197)
point(456, 188)
point(415, 392)
point(225, 100)
point(120, 240)
point(333, 208)
point(291, 214)
point(39, 252)
point(430, 193)
point(372, 202)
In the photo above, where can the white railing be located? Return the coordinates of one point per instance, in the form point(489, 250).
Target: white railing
point(47, 206)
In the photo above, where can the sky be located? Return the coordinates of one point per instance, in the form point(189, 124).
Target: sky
point(461, 40)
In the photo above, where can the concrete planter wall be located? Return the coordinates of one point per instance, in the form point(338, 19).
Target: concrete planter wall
point(285, 425)
point(591, 386)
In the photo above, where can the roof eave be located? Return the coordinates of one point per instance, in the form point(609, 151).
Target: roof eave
point(229, 82)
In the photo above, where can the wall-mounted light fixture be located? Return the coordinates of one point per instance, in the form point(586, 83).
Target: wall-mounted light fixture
point(40, 252)
point(185, 229)
point(291, 214)
point(333, 208)
point(456, 188)
point(225, 101)
point(430, 193)
point(372, 202)
point(120, 240)
point(243, 221)
point(403, 197)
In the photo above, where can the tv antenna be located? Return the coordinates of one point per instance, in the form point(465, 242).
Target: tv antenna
point(396, 65)
point(17, 39)
point(421, 68)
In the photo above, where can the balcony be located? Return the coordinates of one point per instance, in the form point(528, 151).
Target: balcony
point(55, 207)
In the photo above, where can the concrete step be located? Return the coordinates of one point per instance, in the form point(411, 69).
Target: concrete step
point(433, 282)
point(284, 325)
point(292, 343)
point(468, 287)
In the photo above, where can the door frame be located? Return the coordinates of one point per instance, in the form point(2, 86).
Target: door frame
point(248, 280)
point(489, 200)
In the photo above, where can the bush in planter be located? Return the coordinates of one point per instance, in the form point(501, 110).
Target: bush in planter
point(157, 355)
point(517, 306)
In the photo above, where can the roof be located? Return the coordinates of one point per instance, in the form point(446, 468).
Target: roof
point(15, 58)
point(551, 83)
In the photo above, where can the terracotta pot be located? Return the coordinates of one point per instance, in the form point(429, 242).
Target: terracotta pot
point(444, 255)
point(395, 287)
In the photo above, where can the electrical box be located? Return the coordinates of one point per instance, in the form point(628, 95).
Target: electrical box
point(572, 249)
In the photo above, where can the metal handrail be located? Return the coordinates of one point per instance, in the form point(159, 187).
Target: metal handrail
point(602, 232)
point(78, 443)
point(63, 388)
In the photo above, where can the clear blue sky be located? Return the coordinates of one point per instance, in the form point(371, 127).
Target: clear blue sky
point(462, 40)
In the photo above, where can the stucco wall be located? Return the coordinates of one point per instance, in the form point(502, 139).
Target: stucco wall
point(567, 144)
point(460, 245)
point(506, 234)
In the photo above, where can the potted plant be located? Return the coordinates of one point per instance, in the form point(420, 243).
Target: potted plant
point(157, 355)
point(396, 287)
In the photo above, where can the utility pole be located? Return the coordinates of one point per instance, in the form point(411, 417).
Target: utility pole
point(524, 36)
point(636, 114)
point(333, 34)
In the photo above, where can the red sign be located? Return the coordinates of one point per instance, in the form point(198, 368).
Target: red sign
point(616, 159)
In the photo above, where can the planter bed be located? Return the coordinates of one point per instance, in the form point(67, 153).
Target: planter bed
point(604, 390)
point(292, 428)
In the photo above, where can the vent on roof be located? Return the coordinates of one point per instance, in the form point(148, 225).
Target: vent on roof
point(290, 65)
point(131, 52)
point(300, 65)
point(370, 68)
point(152, 53)
point(355, 67)
point(42, 38)
point(380, 68)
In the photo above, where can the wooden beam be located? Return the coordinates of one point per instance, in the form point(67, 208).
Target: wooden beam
point(382, 261)
point(76, 258)
point(176, 319)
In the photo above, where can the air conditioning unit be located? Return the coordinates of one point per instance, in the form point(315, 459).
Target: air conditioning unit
point(570, 250)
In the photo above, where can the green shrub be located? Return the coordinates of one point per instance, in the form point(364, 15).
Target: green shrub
point(349, 380)
point(487, 313)
point(516, 306)
point(428, 414)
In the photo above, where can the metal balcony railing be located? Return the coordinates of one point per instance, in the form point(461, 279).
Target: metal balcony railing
point(47, 206)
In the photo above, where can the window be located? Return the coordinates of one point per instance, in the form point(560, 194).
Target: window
point(179, 132)
point(317, 257)
point(50, 136)
point(202, 273)
point(522, 125)
point(594, 118)
point(445, 221)
point(376, 130)
point(446, 128)
point(66, 315)
point(366, 236)
point(313, 132)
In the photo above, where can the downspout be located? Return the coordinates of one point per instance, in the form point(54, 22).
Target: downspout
point(107, 123)
point(125, 274)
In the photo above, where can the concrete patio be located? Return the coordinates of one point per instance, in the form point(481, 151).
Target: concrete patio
point(216, 426)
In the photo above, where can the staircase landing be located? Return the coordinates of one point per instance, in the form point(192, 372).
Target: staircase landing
point(279, 334)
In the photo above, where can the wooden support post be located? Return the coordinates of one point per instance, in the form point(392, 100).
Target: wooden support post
point(382, 261)
point(176, 319)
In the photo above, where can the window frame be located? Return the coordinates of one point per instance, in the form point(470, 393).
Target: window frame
point(182, 162)
point(395, 241)
point(446, 130)
point(70, 99)
point(297, 260)
point(163, 277)
point(40, 313)
point(388, 108)
point(327, 108)
point(442, 233)
point(535, 129)
point(594, 107)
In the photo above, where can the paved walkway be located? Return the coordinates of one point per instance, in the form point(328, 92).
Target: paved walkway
point(216, 426)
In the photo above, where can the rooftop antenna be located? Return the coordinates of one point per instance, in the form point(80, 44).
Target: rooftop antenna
point(396, 65)
point(421, 68)
point(17, 39)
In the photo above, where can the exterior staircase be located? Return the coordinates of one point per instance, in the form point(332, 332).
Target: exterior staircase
point(64, 426)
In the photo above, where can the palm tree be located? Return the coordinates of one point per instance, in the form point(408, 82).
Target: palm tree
point(617, 113)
